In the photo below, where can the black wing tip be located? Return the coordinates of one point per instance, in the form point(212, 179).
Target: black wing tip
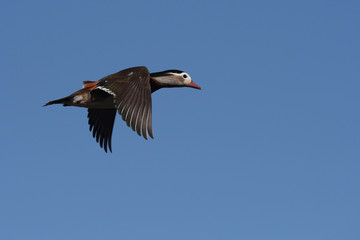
point(105, 149)
point(101, 122)
point(104, 144)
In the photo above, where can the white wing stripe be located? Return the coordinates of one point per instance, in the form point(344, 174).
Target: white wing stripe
point(106, 90)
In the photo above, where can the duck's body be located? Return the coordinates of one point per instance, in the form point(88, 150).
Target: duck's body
point(129, 93)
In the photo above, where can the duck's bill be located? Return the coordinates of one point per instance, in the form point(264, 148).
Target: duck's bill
point(194, 85)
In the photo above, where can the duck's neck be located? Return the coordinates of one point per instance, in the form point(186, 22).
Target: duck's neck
point(158, 82)
point(154, 85)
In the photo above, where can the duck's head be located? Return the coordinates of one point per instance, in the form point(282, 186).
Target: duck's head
point(173, 78)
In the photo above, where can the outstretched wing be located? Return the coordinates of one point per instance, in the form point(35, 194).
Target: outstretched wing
point(101, 123)
point(132, 95)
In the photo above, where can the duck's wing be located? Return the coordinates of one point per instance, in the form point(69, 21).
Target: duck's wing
point(132, 97)
point(101, 123)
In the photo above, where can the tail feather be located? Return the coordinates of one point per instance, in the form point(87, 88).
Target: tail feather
point(64, 101)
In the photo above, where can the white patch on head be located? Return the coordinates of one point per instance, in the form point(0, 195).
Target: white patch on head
point(77, 98)
point(184, 76)
point(187, 80)
point(130, 74)
point(106, 90)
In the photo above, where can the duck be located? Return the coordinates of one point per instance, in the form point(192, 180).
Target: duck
point(127, 92)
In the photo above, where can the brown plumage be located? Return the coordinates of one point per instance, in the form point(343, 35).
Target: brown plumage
point(129, 93)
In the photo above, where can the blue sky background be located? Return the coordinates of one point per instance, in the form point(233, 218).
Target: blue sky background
point(269, 149)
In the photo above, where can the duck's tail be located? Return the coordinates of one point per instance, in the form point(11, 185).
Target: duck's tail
point(66, 101)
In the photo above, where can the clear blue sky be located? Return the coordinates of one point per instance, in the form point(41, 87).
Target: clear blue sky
point(269, 149)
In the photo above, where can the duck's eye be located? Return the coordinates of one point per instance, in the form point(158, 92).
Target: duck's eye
point(184, 76)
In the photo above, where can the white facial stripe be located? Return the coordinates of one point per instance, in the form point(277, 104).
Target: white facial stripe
point(178, 74)
point(106, 90)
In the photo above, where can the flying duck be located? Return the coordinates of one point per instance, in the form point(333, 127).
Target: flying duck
point(127, 92)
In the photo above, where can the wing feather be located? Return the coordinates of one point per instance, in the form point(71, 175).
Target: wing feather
point(132, 98)
point(101, 123)
point(140, 110)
